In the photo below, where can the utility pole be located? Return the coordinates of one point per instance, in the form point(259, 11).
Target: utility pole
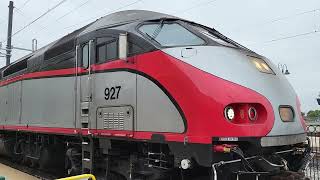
point(9, 46)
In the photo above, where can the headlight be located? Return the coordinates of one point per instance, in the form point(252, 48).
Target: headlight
point(286, 113)
point(229, 113)
point(252, 113)
point(261, 65)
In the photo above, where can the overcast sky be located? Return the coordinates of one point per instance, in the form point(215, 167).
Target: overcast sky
point(268, 27)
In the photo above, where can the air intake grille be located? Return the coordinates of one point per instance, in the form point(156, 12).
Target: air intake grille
point(113, 120)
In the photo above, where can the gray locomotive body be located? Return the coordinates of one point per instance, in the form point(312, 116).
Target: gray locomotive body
point(134, 95)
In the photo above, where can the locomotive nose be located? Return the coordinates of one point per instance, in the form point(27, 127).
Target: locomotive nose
point(253, 72)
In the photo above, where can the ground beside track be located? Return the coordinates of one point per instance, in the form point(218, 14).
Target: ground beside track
point(13, 174)
point(14, 171)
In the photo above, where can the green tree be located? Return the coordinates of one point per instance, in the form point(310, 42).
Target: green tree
point(313, 115)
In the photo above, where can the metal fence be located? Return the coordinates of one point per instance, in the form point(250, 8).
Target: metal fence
point(313, 171)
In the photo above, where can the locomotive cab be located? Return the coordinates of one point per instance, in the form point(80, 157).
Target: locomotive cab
point(242, 98)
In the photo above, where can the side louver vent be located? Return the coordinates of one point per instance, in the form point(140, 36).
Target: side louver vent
point(115, 118)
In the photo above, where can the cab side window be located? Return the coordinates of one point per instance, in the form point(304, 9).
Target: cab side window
point(134, 49)
point(85, 56)
point(107, 51)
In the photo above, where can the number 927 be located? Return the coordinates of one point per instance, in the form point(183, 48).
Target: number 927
point(112, 93)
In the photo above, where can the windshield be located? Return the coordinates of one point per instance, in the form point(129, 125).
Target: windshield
point(170, 34)
point(211, 36)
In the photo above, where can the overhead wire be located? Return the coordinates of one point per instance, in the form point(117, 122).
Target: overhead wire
point(66, 14)
point(69, 12)
point(271, 21)
point(2, 20)
point(19, 9)
point(179, 12)
point(26, 17)
point(289, 37)
point(127, 5)
point(81, 5)
point(72, 10)
point(36, 19)
point(315, 31)
point(195, 6)
point(297, 14)
point(24, 4)
point(22, 14)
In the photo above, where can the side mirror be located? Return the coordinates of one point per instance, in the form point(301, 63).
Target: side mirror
point(123, 46)
point(91, 51)
point(318, 99)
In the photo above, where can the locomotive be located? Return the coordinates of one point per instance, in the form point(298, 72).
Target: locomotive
point(144, 95)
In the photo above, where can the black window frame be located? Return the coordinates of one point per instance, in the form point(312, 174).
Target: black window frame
point(171, 21)
point(131, 53)
point(105, 43)
point(15, 68)
point(67, 58)
point(88, 61)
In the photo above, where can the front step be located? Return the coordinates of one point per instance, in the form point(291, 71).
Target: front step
point(87, 155)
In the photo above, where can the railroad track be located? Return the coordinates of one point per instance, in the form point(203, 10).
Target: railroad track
point(50, 176)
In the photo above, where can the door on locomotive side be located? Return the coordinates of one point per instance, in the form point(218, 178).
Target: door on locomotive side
point(114, 85)
point(106, 85)
point(83, 85)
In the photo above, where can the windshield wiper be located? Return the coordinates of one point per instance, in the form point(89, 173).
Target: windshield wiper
point(157, 31)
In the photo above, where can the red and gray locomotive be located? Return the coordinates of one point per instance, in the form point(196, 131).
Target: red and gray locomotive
point(144, 95)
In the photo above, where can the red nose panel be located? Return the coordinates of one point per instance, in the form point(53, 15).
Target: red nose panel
point(203, 97)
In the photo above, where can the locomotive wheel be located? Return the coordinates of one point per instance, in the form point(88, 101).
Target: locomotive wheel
point(33, 163)
point(289, 175)
point(17, 158)
point(25, 160)
point(44, 158)
point(19, 149)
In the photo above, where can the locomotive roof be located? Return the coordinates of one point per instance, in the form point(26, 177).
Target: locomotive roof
point(114, 19)
point(123, 17)
point(40, 59)
point(61, 53)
